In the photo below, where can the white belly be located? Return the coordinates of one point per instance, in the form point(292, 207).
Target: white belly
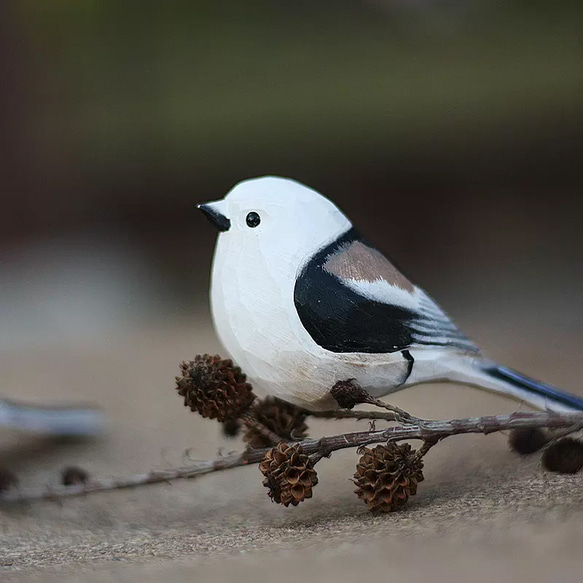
point(258, 324)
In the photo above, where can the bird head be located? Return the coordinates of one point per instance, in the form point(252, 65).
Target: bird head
point(278, 215)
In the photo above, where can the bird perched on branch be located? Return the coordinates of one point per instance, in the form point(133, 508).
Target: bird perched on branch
point(302, 301)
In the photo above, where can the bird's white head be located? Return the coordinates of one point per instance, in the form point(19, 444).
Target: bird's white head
point(275, 217)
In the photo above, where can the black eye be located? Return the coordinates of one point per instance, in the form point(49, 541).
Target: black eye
point(253, 219)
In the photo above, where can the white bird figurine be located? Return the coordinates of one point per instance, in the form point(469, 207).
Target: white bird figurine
point(301, 301)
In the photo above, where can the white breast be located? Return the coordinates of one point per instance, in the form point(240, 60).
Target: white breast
point(256, 320)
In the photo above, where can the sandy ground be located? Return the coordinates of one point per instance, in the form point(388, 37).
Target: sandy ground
point(481, 514)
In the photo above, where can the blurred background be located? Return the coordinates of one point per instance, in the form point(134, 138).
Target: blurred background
point(450, 131)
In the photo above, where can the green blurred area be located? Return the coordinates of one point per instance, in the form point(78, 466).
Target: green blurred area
point(181, 92)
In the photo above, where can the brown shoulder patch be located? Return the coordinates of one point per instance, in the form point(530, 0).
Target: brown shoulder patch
point(359, 262)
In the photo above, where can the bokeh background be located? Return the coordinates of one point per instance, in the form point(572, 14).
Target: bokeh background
point(450, 131)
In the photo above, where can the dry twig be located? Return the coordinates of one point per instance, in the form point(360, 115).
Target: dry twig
point(430, 432)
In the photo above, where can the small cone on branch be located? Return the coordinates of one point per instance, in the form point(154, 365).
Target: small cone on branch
point(289, 474)
point(348, 394)
point(231, 428)
point(564, 456)
point(527, 441)
point(214, 387)
point(74, 476)
point(387, 475)
point(8, 480)
point(282, 418)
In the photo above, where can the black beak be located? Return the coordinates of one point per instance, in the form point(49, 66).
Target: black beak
point(220, 221)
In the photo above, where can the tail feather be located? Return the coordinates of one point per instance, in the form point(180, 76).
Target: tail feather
point(542, 390)
point(488, 375)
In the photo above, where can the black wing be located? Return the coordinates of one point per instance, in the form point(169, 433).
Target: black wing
point(340, 319)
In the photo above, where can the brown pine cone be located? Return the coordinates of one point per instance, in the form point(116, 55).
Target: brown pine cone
point(8, 480)
point(527, 441)
point(387, 475)
point(289, 474)
point(565, 456)
point(214, 387)
point(348, 394)
point(74, 476)
point(282, 418)
point(231, 428)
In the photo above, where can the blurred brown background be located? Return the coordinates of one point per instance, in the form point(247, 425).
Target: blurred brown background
point(450, 131)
